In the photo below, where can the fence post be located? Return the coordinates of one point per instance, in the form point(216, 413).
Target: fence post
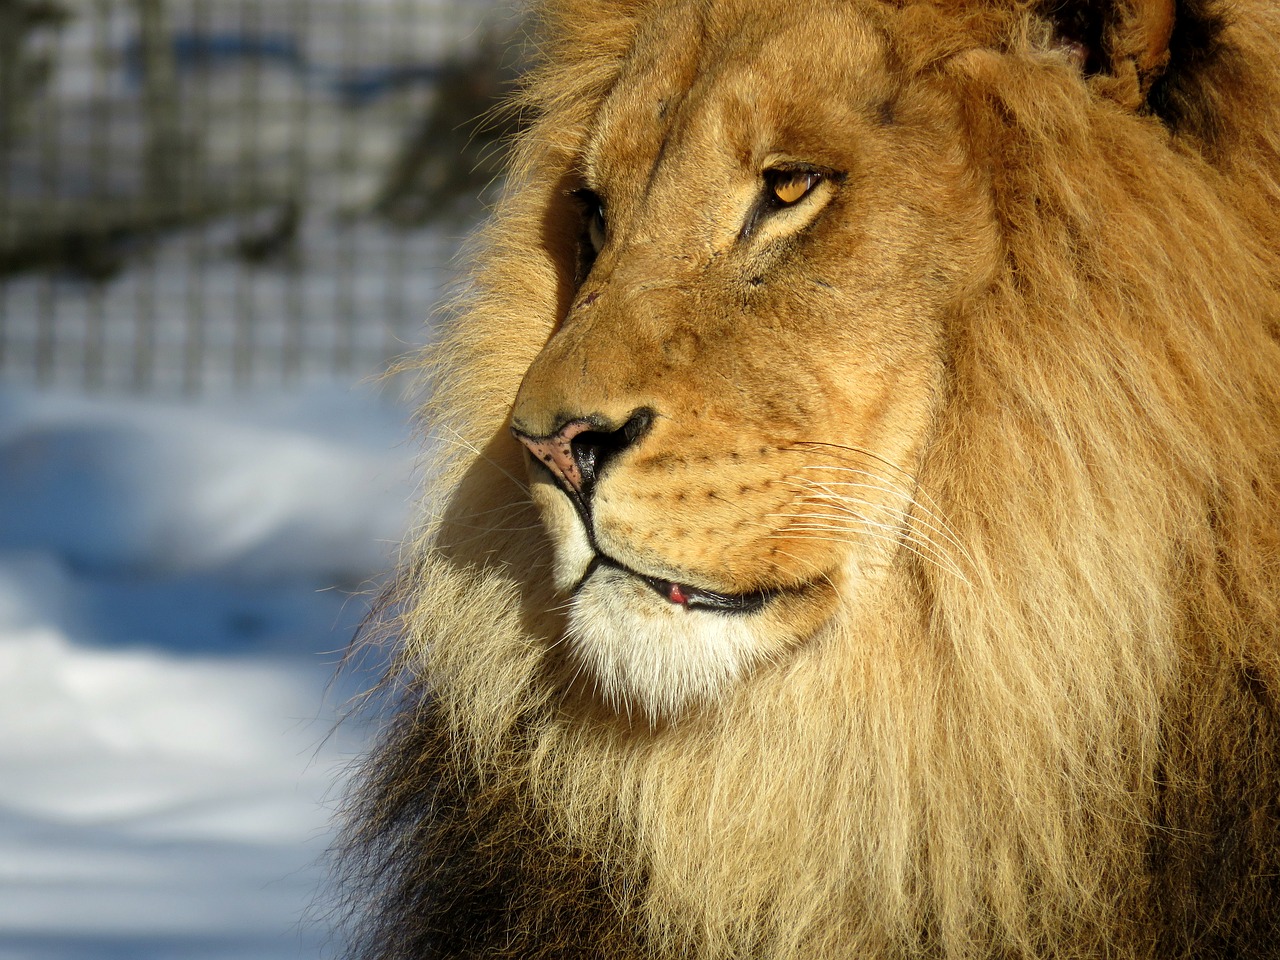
point(164, 131)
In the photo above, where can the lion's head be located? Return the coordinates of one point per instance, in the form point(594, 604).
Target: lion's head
point(729, 420)
point(855, 531)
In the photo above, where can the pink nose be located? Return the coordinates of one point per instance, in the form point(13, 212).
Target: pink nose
point(556, 452)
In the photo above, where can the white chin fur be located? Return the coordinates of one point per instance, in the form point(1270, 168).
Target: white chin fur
point(652, 655)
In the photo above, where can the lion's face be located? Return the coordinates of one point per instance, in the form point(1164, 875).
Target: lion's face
point(726, 428)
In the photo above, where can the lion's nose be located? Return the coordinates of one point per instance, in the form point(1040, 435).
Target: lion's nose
point(578, 451)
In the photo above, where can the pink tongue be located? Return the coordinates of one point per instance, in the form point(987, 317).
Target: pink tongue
point(677, 595)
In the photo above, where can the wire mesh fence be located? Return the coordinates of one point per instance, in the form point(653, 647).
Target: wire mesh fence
point(207, 194)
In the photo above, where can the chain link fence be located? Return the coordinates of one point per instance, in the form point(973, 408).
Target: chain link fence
point(213, 194)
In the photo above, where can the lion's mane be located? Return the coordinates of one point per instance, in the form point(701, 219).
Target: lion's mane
point(1072, 749)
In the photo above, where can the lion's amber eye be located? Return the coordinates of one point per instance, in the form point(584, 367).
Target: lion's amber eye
point(593, 210)
point(595, 229)
point(791, 186)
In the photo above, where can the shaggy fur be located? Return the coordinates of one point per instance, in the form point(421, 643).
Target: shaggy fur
point(990, 420)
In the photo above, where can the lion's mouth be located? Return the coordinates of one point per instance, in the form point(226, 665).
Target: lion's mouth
point(688, 596)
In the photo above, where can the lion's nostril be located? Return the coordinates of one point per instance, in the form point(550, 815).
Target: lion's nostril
point(639, 424)
point(580, 449)
point(593, 449)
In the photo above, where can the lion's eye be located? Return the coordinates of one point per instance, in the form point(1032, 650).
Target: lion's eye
point(593, 208)
point(791, 186)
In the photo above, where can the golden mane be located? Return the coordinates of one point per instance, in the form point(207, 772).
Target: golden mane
point(1061, 743)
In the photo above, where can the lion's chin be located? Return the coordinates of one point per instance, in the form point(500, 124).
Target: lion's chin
point(659, 657)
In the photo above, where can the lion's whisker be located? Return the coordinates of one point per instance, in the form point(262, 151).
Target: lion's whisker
point(860, 451)
point(908, 478)
point(906, 532)
point(462, 442)
point(923, 514)
point(941, 560)
point(522, 506)
point(909, 485)
point(477, 532)
point(818, 572)
point(925, 518)
point(490, 528)
point(862, 526)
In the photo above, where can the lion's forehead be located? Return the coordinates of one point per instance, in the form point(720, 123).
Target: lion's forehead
point(724, 90)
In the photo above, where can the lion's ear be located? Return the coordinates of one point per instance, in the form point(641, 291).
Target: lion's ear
point(1124, 41)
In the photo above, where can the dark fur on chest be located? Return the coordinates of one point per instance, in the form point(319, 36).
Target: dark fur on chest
point(463, 870)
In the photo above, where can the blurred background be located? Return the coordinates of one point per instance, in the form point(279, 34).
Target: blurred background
point(220, 221)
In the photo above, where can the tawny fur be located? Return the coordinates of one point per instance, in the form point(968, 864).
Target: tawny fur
point(1039, 720)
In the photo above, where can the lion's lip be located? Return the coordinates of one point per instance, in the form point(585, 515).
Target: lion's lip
point(694, 598)
point(687, 596)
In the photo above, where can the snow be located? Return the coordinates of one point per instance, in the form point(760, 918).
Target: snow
point(175, 584)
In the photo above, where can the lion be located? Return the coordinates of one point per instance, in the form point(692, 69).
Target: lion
point(854, 522)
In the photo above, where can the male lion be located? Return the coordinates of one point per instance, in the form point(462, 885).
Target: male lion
point(898, 569)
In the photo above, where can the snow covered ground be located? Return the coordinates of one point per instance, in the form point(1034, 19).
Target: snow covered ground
point(175, 582)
